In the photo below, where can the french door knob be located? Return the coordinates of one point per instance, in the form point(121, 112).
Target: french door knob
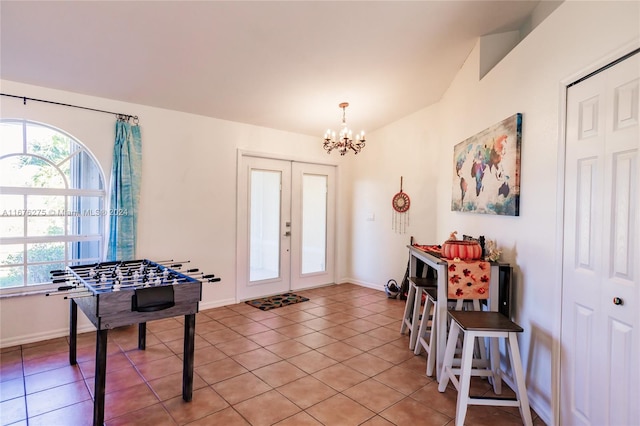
point(617, 301)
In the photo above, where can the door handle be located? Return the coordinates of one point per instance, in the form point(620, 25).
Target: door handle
point(618, 301)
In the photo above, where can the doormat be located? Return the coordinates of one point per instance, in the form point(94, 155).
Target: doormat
point(277, 301)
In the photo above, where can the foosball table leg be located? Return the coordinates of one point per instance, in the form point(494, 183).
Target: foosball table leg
point(189, 351)
point(142, 336)
point(101, 376)
point(73, 331)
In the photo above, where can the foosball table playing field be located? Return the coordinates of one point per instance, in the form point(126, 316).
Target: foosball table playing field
point(122, 293)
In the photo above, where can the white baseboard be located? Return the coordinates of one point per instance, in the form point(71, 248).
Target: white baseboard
point(543, 410)
point(216, 304)
point(374, 286)
point(39, 337)
point(64, 332)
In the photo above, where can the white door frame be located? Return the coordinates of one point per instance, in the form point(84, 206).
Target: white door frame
point(556, 348)
point(241, 273)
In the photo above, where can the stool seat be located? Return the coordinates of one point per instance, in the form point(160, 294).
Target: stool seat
point(480, 325)
point(424, 282)
point(484, 321)
point(432, 292)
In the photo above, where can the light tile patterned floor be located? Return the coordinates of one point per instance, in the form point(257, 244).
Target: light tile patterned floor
point(336, 360)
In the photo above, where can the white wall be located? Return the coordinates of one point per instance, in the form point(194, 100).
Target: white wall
point(528, 80)
point(188, 194)
point(407, 148)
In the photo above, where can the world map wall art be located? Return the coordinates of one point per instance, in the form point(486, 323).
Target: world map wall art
point(486, 170)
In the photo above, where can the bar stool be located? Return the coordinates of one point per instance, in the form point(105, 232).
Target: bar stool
point(411, 316)
point(483, 324)
point(427, 332)
point(426, 337)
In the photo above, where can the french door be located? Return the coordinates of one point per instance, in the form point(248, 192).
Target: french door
point(600, 377)
point(286, 221)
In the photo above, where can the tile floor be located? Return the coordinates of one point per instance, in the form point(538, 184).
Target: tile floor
point(337, 359)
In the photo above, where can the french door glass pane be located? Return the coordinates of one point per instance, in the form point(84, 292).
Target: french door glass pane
point(264, 257)
point(314, 223)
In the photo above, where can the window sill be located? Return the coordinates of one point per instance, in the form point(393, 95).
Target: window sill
point(19, 292)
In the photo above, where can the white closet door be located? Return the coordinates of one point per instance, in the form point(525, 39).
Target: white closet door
point(600, 376)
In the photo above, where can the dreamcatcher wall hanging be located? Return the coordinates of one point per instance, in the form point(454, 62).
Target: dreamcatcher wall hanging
point(400, 204)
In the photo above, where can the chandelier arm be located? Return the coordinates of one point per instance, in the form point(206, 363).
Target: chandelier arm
point(344, 142)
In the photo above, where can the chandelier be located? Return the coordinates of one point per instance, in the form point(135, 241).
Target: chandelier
point(345, 141)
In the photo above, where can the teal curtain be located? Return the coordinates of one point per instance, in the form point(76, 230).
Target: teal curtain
point(125, 192)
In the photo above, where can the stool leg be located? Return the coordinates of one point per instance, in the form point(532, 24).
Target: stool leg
point(407, 308)
point(431, 359)
point(494, 354)
point(476, 305)
point(449, 353)
point(465, 377)
point(406, 316)
point(423, 325)
point(518, 375)
point(415, 318)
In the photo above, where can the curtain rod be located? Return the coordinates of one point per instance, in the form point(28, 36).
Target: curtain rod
point(119, 115)
point(617, 61)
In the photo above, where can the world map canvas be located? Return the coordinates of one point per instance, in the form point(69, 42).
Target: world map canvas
point(486, 170)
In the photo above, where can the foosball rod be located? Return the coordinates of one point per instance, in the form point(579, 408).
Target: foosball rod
point(129, 272)
point(127, 264)
point(85, 290)
point(191, 273)
point(67, 292)
point(129, 280)
point(127, 283)
point(59, 278)
point(103, 265)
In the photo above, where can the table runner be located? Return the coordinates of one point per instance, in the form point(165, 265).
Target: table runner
point(468, 279)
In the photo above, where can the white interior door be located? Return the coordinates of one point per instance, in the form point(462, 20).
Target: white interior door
point(600, 377)
point(285, 237)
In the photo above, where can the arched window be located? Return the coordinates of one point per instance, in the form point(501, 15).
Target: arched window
point(52, 201)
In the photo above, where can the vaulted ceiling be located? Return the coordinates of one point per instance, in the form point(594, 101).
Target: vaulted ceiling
point(280, 64)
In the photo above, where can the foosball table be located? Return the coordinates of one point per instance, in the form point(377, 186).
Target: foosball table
point(116, 294)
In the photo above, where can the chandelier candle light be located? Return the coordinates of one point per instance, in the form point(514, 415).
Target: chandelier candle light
point(345, 141)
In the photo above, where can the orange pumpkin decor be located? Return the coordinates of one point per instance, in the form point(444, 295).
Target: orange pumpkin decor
point(463, 250)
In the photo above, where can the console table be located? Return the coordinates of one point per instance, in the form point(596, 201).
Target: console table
point(499, 293)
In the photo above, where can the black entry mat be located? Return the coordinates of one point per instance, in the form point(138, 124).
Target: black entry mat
point(277, 301)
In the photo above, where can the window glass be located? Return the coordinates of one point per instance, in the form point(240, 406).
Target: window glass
point(12, 254)
point(48, 143)
point(11, 219)
point(11, 137)
point(264, 258)
point(52, 204)
point(314, 223)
